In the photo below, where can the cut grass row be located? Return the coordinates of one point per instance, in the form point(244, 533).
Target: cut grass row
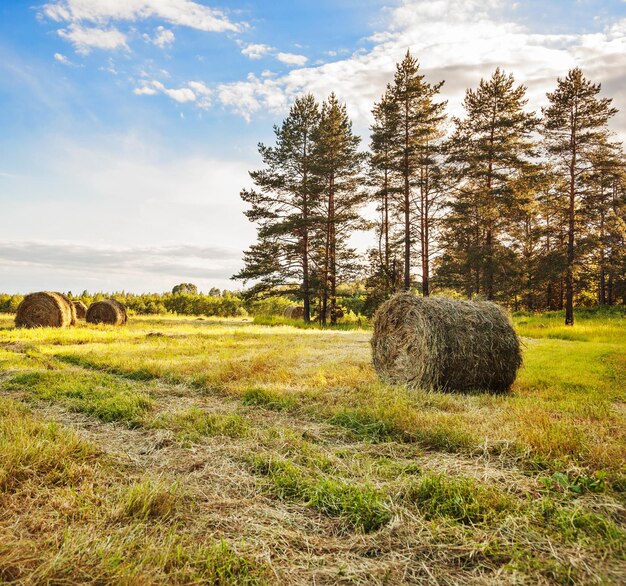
point(69, 515)
point(578, 429)
point(315, 479)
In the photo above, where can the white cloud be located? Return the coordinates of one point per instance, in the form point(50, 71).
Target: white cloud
point(146, 90)
point(256, 50)
point(247, 97)
point(194, 91)
point(203, 94)
point(178, 12)
point(85, 39)
point(180, 95)
point(459, 42)
point(62, 59)
point(163, 37)
point(161, 217)
point(291, 58)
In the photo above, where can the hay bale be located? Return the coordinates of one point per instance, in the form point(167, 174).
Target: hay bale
point(445, 344)
point(294, 312)
point(121, 308)
point(44, 309)
point(81, 309)
point(108, 311)
point(71, 306)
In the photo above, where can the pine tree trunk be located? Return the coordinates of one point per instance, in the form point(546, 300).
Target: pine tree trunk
point(424, 228)
point(332, 252)
point(489, 239)
point(386, 228)
point(569, 276)
point(326, 269)
point(602, 284)
point(549, 295)
point(306, 293)
point(489, 268)
point(407, 222)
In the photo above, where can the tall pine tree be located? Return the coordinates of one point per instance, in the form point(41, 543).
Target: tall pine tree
point(385, 182)
point(417, 132)
point(491, 155)
point(284, 205)
point(575, 126)
point(338, 168)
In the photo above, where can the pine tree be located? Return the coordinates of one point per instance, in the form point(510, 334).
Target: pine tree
point(284, 205)
point(338, 167)
point(418, 130)
point(575, 125)
point(385, 183)
point(605, 180)
point(491, 155)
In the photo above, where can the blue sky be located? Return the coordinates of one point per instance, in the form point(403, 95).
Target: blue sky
point(128, 126)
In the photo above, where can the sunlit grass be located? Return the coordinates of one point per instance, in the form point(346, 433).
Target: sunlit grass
point(565, 408)
point(302, 412)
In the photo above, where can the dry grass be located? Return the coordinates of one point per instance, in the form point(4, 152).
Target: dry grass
point(284, 440)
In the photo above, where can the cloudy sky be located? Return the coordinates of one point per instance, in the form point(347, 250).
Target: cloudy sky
point(127, 127)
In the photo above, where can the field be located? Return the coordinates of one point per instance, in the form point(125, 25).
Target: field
point(181, 450)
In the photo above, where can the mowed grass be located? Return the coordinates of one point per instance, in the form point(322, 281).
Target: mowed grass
point(68, 515)
point(305, 418)
point(566, 408)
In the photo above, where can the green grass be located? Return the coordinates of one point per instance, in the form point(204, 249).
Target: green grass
point(191, 425)
point(328, 474)
point(148, 499)
point(363, 507)
point(460, 499)
point(100, 395)
point(564, 409)
point(71, 515)
point(259, 397)
point(34, 449)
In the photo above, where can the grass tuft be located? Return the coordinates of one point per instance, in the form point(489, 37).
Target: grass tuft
point(362, 507)
point(30, 448)
point(100, 395)
point(148, 499)
point(459, 499)
point(259, 397)
point(192, 424)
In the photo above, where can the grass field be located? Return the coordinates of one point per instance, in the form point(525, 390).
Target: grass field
point(180, 450)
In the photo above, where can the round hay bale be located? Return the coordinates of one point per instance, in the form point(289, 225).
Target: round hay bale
point(108, 311)
point(122, 309)
point(297, 312)
point(294, 312)
point(81, 309)
point(445, 344)
point(44, 309)
point(71, 306)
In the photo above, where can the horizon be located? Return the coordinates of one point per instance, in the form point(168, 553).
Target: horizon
point(130, 127)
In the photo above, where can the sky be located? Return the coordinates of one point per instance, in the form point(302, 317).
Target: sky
point(128, 127)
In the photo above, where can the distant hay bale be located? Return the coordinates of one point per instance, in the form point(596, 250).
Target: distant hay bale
point(294, 312)
point(81, 309)
point(44, 309)
point(108, 311)
point(71, 306)
point(122, 309)
point(445, 344)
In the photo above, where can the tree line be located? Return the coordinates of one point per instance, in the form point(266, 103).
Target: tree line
point(519, 207)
